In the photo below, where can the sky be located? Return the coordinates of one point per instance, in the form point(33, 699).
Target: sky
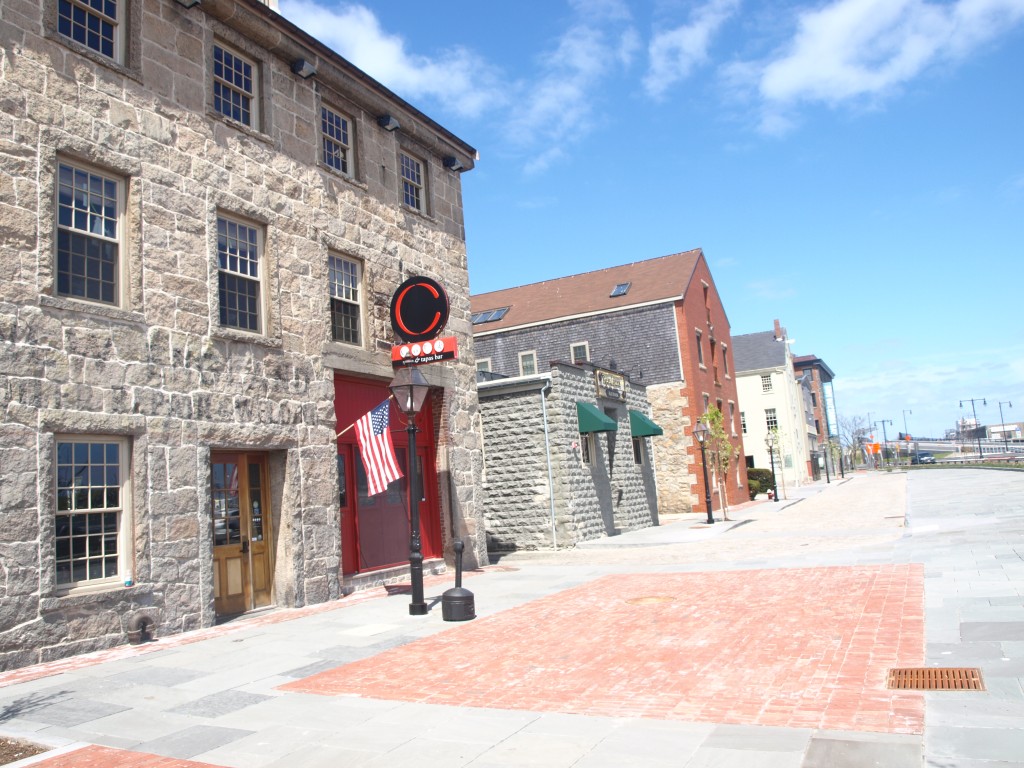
point(852, 168)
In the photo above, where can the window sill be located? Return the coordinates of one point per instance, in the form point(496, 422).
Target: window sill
point(90, 594)
point(94, 56)
point(247, 337)
point(336, 174)
point(409, 209)
point(92, 308)
point(248, 130)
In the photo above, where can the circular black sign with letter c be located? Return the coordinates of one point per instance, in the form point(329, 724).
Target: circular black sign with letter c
point(419, 309)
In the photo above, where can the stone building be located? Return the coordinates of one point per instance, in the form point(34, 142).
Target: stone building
point(567, 458)
point(204, 213)
point(772, 398)
point(660, 323)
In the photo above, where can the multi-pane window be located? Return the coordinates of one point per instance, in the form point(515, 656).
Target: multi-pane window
point(766, 382)
point(346, 316)
point(580, 352)
point(587, 447)
point(743, 421)
point(700, 348)
point(90, 484)
point(489, 315)
point(336, 135)
point(484, 365)
point(88, 233)
point(412, 181)
point(638, 450)
point(238, 261)
point(527, 363)
point(771, 420)
point(234, 86)
point(93, 23)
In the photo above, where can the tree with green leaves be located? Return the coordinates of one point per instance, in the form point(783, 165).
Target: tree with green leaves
point(721, 453)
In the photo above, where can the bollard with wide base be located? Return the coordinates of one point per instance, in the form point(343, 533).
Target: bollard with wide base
point(457, 604)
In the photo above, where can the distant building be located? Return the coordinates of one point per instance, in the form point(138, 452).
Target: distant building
point(818, 375)
point(658, 322)
point(772, 398)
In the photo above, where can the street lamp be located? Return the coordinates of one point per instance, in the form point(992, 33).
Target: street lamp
point(885, 437)
point(1002, 424)
point(701, 433)
point(977, 426)
point(410, 389)
point(770, 439)
point(906, 432)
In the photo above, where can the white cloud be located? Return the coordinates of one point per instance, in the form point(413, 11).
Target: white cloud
point(865, 48)
point(676, 52)
point(459, 78)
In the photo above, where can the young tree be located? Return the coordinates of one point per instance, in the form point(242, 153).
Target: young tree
point(851, 431)
point(721, 453)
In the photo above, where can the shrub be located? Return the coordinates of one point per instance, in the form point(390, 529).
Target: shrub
point(754, 488)
point(763, 477)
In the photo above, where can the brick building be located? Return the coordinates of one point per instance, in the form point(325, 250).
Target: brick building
point(204, 213)
point(566, 459)
point(660, 323)
point(818, 375)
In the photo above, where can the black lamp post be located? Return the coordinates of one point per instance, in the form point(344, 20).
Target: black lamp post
point(410, 389)
point(977, 426)
point(701, 433)
point(770, 440)
point(1002, 424)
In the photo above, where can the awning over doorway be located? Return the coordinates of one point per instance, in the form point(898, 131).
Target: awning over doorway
point(641, 426)
point(592, 419)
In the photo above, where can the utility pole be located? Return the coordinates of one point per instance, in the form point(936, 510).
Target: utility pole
point(977, 426)
point(885, 436)
point(906, 432)
point(1002, 424)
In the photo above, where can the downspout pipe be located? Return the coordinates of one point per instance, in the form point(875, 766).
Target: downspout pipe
point(547, 452)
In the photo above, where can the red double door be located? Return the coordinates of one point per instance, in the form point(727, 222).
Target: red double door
point(375, 529)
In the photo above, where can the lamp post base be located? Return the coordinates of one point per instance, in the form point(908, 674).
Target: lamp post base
point(418, 609)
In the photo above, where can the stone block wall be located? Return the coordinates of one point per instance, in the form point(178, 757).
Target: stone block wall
point(157, 367)
point(610, 495)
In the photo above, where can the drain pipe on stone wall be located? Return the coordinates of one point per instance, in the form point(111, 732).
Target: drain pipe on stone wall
point(547, 451)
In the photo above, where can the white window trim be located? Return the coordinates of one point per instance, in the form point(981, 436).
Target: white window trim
point(350, 148)
point(263, 279)
point(358, 303)
point(484, 364)
point(532, 353)
point(700, 348)
point(767, 386)
point(421, 187)
point(120, 27)
point(125, 524)
point(255, 113)
point(725, 361)
point(121, 290)
point(586, 350)
point(587, 448)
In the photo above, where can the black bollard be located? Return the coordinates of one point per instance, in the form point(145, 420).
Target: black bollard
point(457, 604)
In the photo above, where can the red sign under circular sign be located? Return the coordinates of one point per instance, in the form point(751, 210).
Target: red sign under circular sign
point(419, 309)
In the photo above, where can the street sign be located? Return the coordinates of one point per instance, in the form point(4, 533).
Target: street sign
point(420, 353)
point(419, 309)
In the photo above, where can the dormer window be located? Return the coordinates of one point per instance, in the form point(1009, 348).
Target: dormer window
point(489, 316)
point(620, 290)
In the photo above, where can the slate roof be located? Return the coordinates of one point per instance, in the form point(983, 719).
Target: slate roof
point(756, 351)
point(653, 280)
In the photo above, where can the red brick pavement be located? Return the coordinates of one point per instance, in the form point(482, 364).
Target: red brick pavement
point(106, 757)
point(796, 648)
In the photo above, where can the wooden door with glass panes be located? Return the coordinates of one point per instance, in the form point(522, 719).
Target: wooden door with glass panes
point(239, 515)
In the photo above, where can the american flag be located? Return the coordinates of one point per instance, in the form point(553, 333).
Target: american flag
point(377, 449)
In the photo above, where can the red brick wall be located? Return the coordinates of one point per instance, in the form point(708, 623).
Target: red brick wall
point(701, 309)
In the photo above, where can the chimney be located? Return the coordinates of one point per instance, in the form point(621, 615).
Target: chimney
point(780, 332)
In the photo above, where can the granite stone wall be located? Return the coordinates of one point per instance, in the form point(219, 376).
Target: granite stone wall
point(156, 366)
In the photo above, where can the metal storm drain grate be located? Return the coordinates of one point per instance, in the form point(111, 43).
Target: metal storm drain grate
point(936, 679)
point(650, 600)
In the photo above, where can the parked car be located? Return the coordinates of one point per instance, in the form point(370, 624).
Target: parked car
point(923, 457)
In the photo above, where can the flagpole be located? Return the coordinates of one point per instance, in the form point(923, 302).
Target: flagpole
point(346, 429)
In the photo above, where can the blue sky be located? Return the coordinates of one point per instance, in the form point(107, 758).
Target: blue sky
point(854, 168)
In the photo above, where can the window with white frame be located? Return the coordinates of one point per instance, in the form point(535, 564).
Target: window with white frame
point(766, 382)
point(484, 364)
point(336, 140)
point(587, 447)
point(344, 276)
point(235, 86)
point(771, 420)
point(90, 210)
point(412, 181)
point(580, 352)
point(527, 363)
point(96, 24)
point(239, 247)
point(700, 348)
point(743, 422)
point(92, 510)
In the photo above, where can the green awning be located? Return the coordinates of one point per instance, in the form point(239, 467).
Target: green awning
point(641, 426)
point(592, 419)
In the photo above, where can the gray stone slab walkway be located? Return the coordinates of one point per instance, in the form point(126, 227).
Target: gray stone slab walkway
point(214, 697)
